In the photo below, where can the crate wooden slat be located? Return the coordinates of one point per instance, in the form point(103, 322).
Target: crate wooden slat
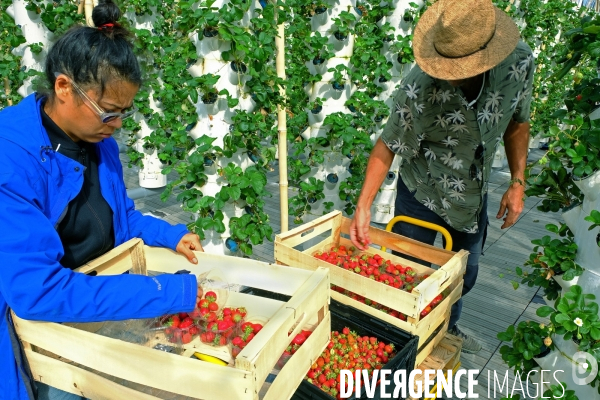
point(329, 229)
point(84, 362)
point(445, 356)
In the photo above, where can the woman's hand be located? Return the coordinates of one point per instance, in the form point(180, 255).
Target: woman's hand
point(186, 246)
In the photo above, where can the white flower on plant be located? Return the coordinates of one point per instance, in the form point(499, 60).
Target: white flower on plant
point(429, 204)
point(441, 121)
point(419, 108)
point(455, 117)
point(421, 137)
point(578, 322)
point(411, 91)
point(449, 141)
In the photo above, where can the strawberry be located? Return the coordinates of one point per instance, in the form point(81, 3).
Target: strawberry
point(186, 338)
point(213, 306)
point(210, 296)
point(236, 317)
point(256, 328)
point(186, 323)
point(174, 321)
point(237, 341)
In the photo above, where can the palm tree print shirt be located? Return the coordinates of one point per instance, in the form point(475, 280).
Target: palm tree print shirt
point(447, 146)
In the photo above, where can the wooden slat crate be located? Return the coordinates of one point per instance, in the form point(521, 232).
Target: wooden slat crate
point(88, 364)
point(445, 356)
point(430, 329)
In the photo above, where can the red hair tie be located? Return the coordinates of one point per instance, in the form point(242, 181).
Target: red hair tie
point(108, 26)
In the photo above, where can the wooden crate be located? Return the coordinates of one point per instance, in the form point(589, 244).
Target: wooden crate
point(430, 329)
point(82, 362)
point(445, 356)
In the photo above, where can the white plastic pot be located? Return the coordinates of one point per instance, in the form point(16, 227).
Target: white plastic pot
point(213, 243)
point(500, 160)
point(151, 175)
point(382, 213)
point(385, 196)
point(562, 366)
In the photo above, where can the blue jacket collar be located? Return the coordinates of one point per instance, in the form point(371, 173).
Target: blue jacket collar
point(22, 125)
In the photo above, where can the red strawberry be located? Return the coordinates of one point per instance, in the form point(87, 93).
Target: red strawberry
point(174, 321)
point(210, 296)
point(256, 328)
point(186, 323)
point(213, 306)
point(186, 338)
point(237, 341)
point(236, 317)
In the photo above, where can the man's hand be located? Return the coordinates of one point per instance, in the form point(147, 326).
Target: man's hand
point(512, 205)
point(359, 229)
point(186, 246)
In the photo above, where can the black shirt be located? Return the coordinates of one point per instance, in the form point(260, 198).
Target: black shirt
point(86, 231)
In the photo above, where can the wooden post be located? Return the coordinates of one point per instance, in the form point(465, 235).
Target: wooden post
point(88, 7)
point(7, 91)
point(282, 125)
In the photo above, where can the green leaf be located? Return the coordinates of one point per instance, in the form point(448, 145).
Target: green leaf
point(562, 318)
point(544, 311)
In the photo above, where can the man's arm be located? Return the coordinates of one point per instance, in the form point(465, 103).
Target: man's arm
point(379, 164)
point(516, 143)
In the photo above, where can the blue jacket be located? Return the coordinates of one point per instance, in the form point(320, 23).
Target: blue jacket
point(36, 185)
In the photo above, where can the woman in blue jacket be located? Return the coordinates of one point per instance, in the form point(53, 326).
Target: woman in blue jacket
point(63, 200)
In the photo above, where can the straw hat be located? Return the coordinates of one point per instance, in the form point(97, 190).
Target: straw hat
point(459, 39)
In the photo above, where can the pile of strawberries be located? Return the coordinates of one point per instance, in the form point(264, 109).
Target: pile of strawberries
point(372, 266)
point(375, 267)
point(298, 340)
point(245, 334)
point(347, 350)
point(214, 326)
point(437, 300)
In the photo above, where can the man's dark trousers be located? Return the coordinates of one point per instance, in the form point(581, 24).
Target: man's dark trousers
point(407, 205)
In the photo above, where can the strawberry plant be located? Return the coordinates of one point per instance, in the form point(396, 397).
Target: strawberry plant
point(550, 257)
point(528, 340)
point(575, 317)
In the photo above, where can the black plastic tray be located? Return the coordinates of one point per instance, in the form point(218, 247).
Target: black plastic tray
point(365, 325)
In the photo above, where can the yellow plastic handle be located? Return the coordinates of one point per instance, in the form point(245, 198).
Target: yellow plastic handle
point(423, 224)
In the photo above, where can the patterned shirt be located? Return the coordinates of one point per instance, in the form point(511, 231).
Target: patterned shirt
point(447, 147)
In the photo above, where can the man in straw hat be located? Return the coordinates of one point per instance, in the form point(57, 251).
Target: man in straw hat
point(470, 90)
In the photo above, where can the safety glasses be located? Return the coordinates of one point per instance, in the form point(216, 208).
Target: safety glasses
point(105, 117)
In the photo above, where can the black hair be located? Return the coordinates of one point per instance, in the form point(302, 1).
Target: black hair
point(94, 56)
